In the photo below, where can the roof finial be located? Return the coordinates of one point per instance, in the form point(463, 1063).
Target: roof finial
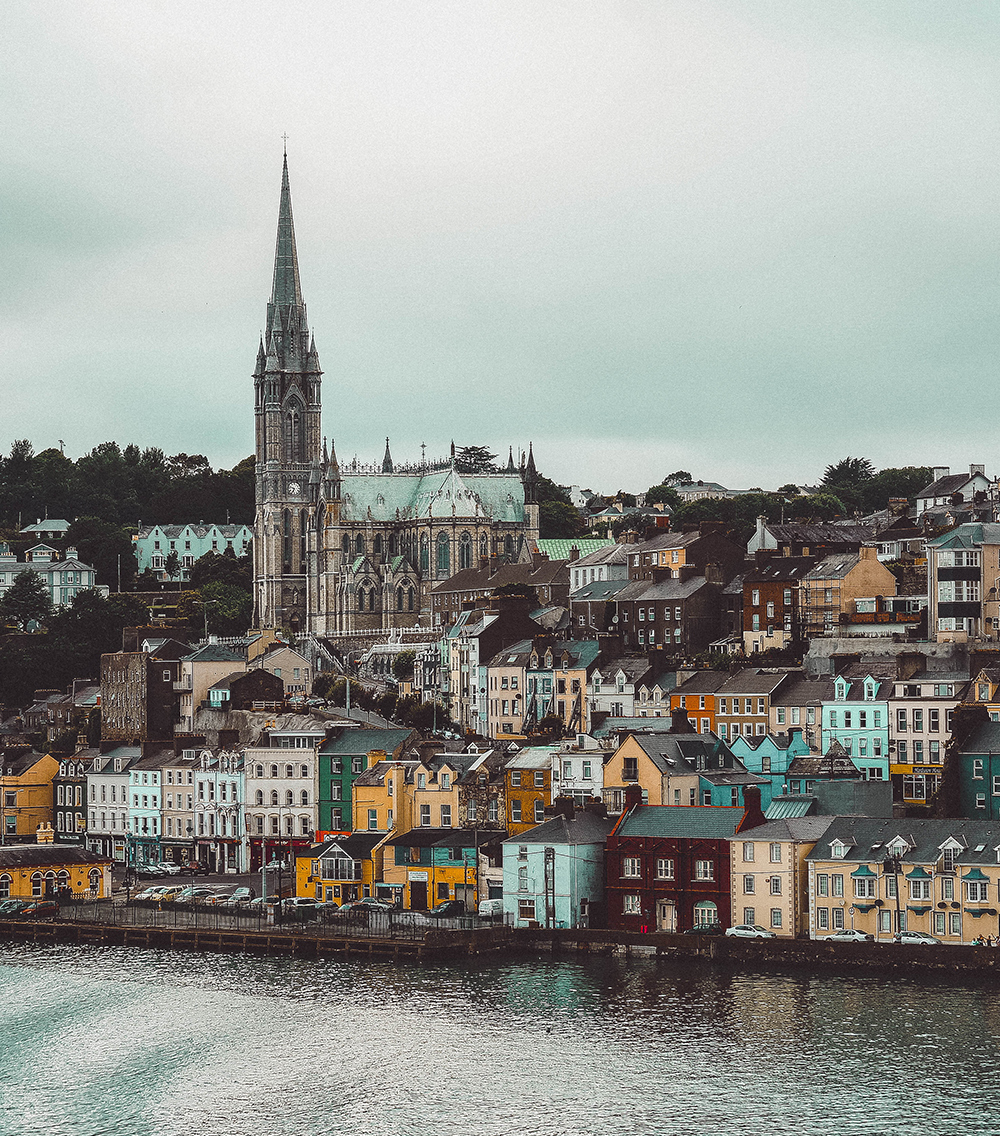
point(284, 140)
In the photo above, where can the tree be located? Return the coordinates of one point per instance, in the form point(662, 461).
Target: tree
point(27, 600)
point(663, 495)
point(848, 471)
point(172, 565)
point(679, 477)
point(229, 609)
point(106, 547)
point(790, 489)
point(904, 482)
point(475, 459)
point(223, 568)
point(402, 665)
point(385, 704)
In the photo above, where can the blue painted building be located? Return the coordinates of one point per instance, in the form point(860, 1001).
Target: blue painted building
point(858, 718)
point(770, 756)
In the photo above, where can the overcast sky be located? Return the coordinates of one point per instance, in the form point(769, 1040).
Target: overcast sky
point(740, 238)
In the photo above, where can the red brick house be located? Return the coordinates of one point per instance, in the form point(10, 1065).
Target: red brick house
point(667, 867)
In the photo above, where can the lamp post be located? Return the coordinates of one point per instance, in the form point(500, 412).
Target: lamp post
point(891, 864)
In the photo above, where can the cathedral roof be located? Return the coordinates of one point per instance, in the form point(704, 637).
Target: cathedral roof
point(441, 494)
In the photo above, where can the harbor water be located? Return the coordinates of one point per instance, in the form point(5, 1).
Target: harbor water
point(125, 1042)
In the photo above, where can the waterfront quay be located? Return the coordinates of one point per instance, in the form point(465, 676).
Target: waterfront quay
point(117, 925)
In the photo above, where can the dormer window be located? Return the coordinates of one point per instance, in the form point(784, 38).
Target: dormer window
point(838, 849)
point(898, 848)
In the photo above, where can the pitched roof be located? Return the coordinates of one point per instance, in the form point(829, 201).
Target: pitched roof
point(710, 822)
point(796, 532)
point(609, 553)
point(213, 653)
point(801, 829)
point(670, 589)
point(354, 742)
point(582, 828)
point(867, 838)
point(560, 548)
point(430, 493)
point(47, 855)
point(971, 535)
point(947, 485)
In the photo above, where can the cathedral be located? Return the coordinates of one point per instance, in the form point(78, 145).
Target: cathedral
point(356, 548)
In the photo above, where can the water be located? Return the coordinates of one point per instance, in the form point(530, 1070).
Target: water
point(122, 1042)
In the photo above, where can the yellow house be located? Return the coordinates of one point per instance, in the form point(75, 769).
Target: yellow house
point(769, 875)
point(33, 871)
point(339, 870)
point(885, 875)
point(427, 866)
point(26, 793)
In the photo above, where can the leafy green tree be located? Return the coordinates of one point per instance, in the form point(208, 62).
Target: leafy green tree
point(229, 608)
point(92, 626)
point(172, 565)
point(475, 459)
point(679, 477)
point(385, 704)
point(904, 482)
point(26, 601)
point(816, 507)
point(402, 665)
point(106, 547)
point(663, 495)
point(223, 568)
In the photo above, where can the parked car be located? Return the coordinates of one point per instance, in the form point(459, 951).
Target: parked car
point(490, 908)
point(241, 896)
point(10, 908)
point(916, 938)
point(260, 905)
point(168, 869)
point(194, 868)
point(849, 935)
point(361, 910)
point(302, 908)
point(749, 931)
point(152, 893)
point(449, 909)
point(192, 894)
point(706, 929)
point(38, 909)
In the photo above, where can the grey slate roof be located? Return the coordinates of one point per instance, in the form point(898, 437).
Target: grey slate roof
point(354, 743)
point(46, 855)
point(610, 553)
point(582, 828)
point(213, 653)
point(802, 829)
point(867, 839)
point(660, 589)
point(710, 822)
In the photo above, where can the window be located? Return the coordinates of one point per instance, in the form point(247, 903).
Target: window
point(704, 870)
point(776, 917)
point(372, 819)
point(775, 853)
point(748, 885)
point(515, 777)
point(631, 905)
point(864, 887)
point(515, 812)
point(838, 885)
point(750, 915)
point(920, 889)
point(539, 779)
point(838, 918)
point(823, 918)
point(776, 885)
point(977, 891)
point(664, 869)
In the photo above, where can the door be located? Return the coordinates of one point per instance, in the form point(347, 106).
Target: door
point(666, 916)
point(418, 895)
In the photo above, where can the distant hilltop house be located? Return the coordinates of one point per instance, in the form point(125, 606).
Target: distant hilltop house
point(953, 488)
point(701, 490)
point(64, 577)
point(154, 544)
point(48, 529)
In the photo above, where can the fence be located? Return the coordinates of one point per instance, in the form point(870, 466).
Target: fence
point(360, 923)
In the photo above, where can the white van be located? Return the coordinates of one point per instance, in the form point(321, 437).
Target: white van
point(490, 908)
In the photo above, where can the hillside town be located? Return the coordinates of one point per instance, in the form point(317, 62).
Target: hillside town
point(460, 688)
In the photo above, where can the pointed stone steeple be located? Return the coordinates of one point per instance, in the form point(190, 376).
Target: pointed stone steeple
point(387, 466)
point(511, 468)
point(286, 290)
point(529, 476)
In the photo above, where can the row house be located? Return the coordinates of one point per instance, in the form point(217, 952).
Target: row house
point(883, 875)
point(477, 587)
point(177, 839)
point(69, 796)
point(426, 866)
point(696, 696)
point(613, 686)
point(858, 719)
point(679, 614)
point(139, 692)
point(607, 563)
point(53, 713)
point(333, 871)
point(808, 539)
point(770, 756)
point(154, 544)
point(668, 868)
point(529, 787)
point(963, 567)
point(25, 793)
point(344, 754)
point(578, 770)
point(770, 873)
point(145, 812)
point(771, 616)
point(280, 789)
point(920, 720)
point(540, 678)
point(108, 797)
point(978, 773)
point(731, 705)
point(703, 551)
point(984, 691)
point(219, 806)
point(678, 769)
point(830, 590)
point(798, 704)
point(553, 874)
point(591, 608)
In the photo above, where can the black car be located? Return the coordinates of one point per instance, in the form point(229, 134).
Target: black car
point(447, 910)
point(706, 929)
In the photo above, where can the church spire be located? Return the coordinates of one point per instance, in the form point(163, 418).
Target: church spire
point(510, 460)
point(387, 466)
point(285, 289)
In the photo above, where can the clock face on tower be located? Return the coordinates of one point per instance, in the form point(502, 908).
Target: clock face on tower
point(294, 487)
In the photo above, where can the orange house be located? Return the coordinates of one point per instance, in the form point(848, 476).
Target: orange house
point(697, 697)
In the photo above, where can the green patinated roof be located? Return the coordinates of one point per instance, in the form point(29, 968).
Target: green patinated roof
point(558, 549)
point(365, 741)
point(432, 494)
point(788, 808)
point(706, 821)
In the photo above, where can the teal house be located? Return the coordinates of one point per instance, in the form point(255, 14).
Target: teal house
point(770, 756)
point(858, 718)
point(342, 758)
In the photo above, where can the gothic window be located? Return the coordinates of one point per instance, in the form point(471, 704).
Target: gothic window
point(359, 545)
point(465, 551)
point(303, 525)
point(361, 599)
point(443, 555)
point(393, 544)
point(377, 544)
point(424, 553)
point(409, 599)
point(345, 544)
point(287, 529)
point(508, 545)
point(484, 546)
point(399, 599)
point(294, 433)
